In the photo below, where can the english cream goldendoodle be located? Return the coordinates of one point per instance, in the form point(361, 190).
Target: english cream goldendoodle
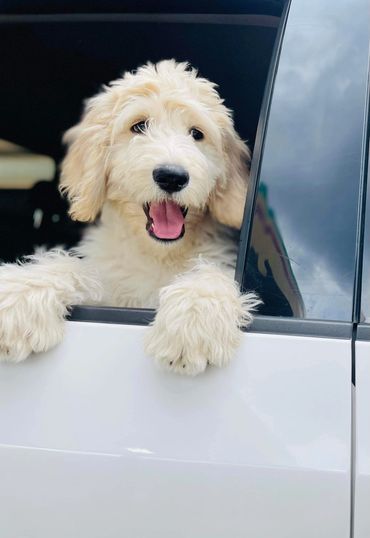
point(157, 155)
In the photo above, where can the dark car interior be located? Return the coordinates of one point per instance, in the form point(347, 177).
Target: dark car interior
point(55, 56)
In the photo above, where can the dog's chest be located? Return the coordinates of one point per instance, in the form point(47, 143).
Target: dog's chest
point(135, 282)
point(132, 278)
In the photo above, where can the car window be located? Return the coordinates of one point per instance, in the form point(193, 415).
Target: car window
point(51, 64)
point(303, 242)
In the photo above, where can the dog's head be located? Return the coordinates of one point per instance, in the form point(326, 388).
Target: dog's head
point(160, 145)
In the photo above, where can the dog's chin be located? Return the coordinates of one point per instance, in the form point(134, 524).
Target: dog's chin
point(165, 221)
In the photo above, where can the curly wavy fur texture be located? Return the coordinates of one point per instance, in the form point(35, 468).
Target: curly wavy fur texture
point(108, 171)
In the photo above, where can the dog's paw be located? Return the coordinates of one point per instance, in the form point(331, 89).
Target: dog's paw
point(21, 342)
point(13, 351)
point(28, 326)
point(194, 345)
point(171, 356)
point(198, 321)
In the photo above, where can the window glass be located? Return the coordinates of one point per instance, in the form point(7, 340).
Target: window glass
point(302, 254)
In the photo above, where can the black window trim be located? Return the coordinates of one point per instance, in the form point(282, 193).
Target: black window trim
point(242, 19)
point(261, 324)
point(112, 314)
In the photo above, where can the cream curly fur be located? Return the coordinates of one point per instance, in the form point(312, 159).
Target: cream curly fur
point(108, 171)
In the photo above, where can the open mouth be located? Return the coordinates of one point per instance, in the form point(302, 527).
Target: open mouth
point(165, 220)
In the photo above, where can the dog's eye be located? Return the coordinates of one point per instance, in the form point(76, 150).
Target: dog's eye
point(139, 127)
point(196, 134)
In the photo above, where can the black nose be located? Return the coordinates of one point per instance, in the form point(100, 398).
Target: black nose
point(171, 177)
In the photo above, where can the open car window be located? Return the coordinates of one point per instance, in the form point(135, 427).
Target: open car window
point(51, 62)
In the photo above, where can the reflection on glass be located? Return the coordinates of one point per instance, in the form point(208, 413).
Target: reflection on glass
point(273, 272)
point(302, 256)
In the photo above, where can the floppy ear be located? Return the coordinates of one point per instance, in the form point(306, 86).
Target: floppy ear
point(227, 202)
point(84, 171)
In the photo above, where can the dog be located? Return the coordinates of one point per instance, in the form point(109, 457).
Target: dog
point(156, 157)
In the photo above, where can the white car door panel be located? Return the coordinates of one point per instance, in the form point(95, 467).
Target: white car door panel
point(362, 441)
point(96, 441)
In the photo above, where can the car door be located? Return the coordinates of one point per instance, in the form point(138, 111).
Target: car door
point(96, 441)
point(362, 437)
point(361, 447)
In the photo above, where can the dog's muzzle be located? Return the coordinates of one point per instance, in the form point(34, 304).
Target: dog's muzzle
point(171, 177)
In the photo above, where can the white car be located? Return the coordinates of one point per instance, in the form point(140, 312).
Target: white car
point(95, 441)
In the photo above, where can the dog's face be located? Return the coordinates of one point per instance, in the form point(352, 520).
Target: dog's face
point(161, 147)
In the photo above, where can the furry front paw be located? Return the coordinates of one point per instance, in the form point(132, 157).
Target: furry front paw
point(13, 351)
point(189, 348)
point(170, 354)
point(17, 345)
point(28, 326)
point(198, 321)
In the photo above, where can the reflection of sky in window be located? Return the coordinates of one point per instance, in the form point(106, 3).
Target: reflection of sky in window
point(312, 155)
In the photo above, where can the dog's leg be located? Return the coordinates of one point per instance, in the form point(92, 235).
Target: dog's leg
point(198, 320)
point(34, 300)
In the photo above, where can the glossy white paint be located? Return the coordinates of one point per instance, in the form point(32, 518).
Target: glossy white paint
point(362, 466)
point(95, 442)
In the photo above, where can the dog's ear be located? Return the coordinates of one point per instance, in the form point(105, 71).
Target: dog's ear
point(84, 168)
point(227, 202)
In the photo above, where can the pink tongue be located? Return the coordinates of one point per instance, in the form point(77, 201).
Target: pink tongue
point(168, 219)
